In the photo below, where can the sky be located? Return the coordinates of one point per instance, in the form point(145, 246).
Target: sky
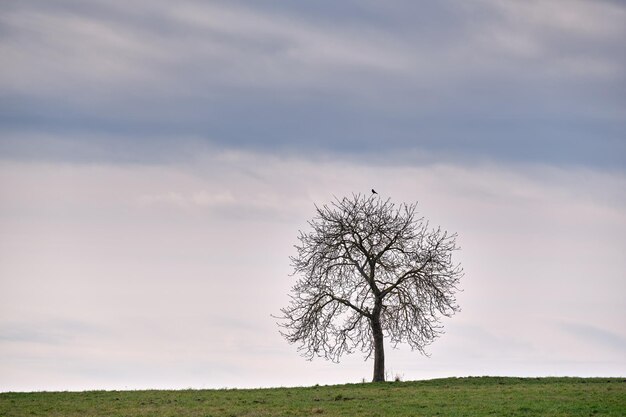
point(158, 159)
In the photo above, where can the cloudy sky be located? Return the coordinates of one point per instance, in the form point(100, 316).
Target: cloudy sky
point(158, 158)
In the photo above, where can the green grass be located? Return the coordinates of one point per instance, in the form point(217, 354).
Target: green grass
point(485, 396)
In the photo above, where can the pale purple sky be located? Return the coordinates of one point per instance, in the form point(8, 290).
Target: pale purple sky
point(157, 160)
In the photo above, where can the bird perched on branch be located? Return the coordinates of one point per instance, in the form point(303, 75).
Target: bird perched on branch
point(374, 191)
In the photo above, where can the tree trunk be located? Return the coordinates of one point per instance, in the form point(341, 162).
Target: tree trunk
point(379, 347)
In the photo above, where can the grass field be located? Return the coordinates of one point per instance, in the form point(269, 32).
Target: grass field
point(485, 396)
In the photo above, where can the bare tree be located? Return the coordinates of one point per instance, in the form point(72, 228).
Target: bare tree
point(369, 270)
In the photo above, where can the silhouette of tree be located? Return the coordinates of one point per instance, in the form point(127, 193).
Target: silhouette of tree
point(369, 270)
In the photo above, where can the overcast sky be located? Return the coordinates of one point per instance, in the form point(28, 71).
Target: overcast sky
point(158, 158)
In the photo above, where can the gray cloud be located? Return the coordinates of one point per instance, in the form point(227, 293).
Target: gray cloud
point(54, 332)
point(596, 335)
point(509, 81)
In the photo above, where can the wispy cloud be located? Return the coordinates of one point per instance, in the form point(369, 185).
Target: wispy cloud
point(50, 331)
point(513, 81)
point(595, 335)
point(189, 260)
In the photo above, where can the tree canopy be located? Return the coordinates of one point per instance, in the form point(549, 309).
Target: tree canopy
point(367, 270)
